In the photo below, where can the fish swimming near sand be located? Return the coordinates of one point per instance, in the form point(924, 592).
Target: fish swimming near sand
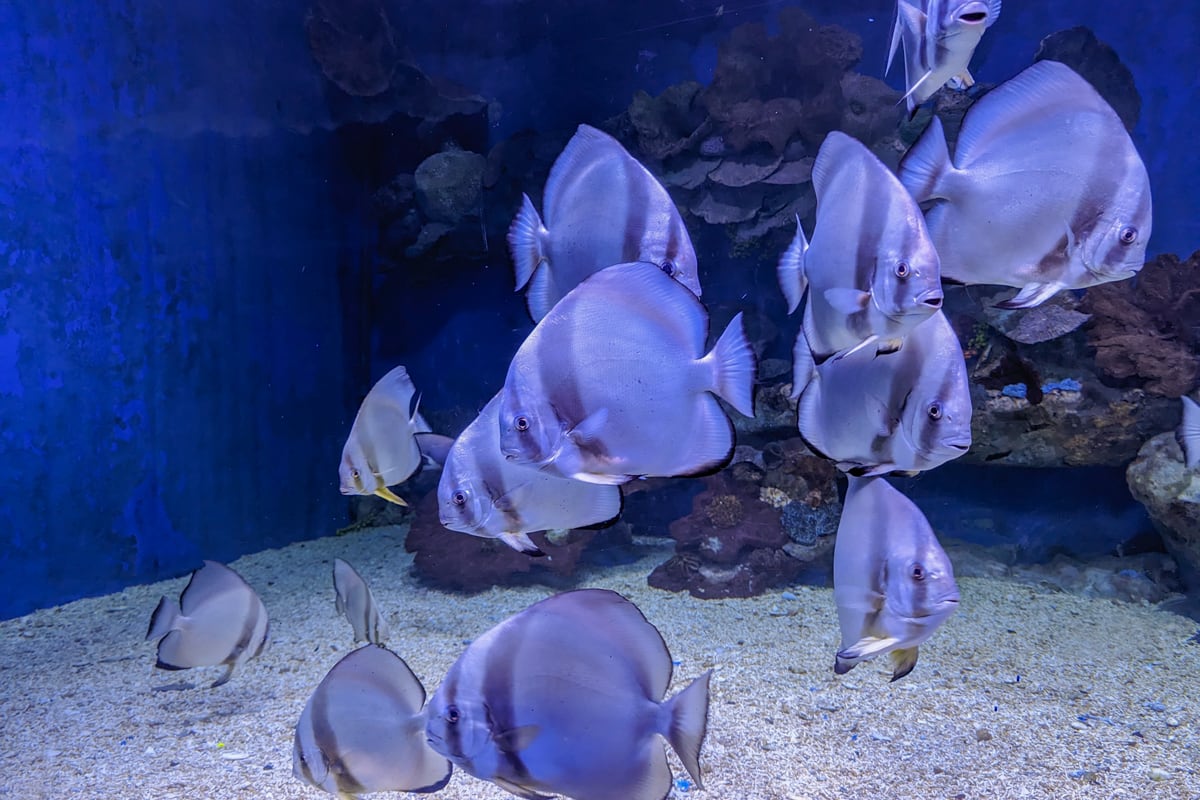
point(382, 449)
point(362, 730)
point(1188, 434)
point(484, 494)
point(892, 582)
point(939, 38)
point(353, 598)
point(1045, 190)
point(219, 619)
point(602, 208)
point(614, 382)
point(905, 412)
point(871, 272)
point(567, 698)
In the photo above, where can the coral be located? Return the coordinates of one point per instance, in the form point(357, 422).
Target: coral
point(1170, 492)
point(774, 498)
point(1146, 332)
point(794, 470)
point(470, 564)
point(668, 124)
point(724, 510)
point(805, 524)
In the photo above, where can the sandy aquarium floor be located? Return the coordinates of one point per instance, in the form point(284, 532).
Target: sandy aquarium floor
point(1022, 694)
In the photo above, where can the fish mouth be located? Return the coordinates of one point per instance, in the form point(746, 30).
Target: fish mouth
point(930, 299)
point(961, 445)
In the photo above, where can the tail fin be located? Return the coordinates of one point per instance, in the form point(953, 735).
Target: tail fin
point(1189, 432)
point(689, 722)
point(164, 618)
point(733, 365)
point(803, 364)
point(790, 270)
point(525, 237)
point(924, 167)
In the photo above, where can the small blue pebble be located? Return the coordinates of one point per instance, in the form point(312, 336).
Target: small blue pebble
point(1014, 390)
point(854, 737)
point(1129, 573)
point(1156, 706)
point(676, 662)
point(1082, 717)
point(788, 596)
point(1077, 774)
point(1018, 679)
point(1065, 385)
point(683, 784)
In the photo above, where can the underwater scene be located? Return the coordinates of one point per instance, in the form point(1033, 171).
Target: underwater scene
point(599, 400)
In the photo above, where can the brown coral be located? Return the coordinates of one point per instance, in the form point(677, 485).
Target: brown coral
point(724, 510)
point(1146, 332)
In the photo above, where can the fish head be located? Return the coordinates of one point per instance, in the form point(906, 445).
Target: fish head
point(459, 729)
point(908, 279)
point(354, 473)
point(463, 502)
point(938, 424)
point(968, 19)
point(530, 431)
point(920, 589)
point(1115, 247)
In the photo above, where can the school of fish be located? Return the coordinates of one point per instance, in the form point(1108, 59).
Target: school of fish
point(618, 381)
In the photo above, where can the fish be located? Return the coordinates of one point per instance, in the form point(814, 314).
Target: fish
point(905, 412)
point(354, 599)
point(871, 271)
point(1188, 434)
point(539, 709)
point(939, 38)
point(484, 494)
point(219, 619)
point(602, 208)
point(892, 582)
point(614, 384)
point(1045, 190)
point(363, 730)
point(382, 448)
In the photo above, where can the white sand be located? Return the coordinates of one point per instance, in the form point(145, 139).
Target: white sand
point(83, 713)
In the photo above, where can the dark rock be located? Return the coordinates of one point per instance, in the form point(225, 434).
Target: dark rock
point(805, 524)
point(1170, 492)
point(792, 172)
point(691, 173)
point(799, 474)
point(467, 563)
point(746, 168)
point(663, 126)
point(873, 108)
point(449, 185)
point(1146, 331)
point(353, 43)
point(1099, 64)
point(774, 414)
point(395, 198)
point(720, 205)
point(762, 571)
point(1056, 317)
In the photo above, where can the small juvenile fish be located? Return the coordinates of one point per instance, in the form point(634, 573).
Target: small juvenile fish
point(382, 450)
point(1188, 434)
point(1045, 190)
point(892, 582)
point(602, 207)
point(219, 619)
point(362, 730)
point(939, 38)
point(614, 382)
point(871, 272)
point(905, 412)
point(567, 698)
point(354, 599)
point(484, 494)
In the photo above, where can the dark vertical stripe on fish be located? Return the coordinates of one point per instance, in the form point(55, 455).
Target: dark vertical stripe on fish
point(453, 741)
point(248, 626)
point(866, 256)
point(500, 689)
point(637, 210)
point(327, 744)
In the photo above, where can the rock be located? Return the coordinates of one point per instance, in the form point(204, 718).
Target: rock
point(691, 174)
point(792, 172)
point(666, 125)
point(1056, 317)
point(467, 563)
point(353, 43)
point(449, 185)
point(1147, 333)
point(873, 109)
point(1170, 492)
point(745, 169)
point(1099, 64)
point(720, 205)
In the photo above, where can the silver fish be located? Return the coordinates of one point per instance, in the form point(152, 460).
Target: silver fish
point(602, 208)
point(1188, 434)
point(534, 706)
point(219, 619)
point(1045, 191)
point(871, 272)
point(892, 582)
point(484, 494)
point(362, 730)
point(939, 38)
point(382, 450)
point(353, 598)
point(613, 383)
point(908, 411)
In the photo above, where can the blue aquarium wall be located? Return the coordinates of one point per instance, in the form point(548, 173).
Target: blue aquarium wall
point(176, 226)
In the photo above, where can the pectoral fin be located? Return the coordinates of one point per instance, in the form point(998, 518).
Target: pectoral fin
point(516, 739)
point(869, 647)
point(847, 301)
point(390, 496)
point(522, 543)
point(1034, 294)
point(519, 791)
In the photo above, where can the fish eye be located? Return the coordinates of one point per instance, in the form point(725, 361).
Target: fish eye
point(935, 411)
point(354, 474)
point(918, 572)
point(1128, 235)
point(452, 715)
point(521, 423)
point(902, 269)
point(669, 267)
point(459, 498)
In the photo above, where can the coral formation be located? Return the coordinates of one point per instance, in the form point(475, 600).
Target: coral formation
point(1170, 492)
point(1146, 332)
